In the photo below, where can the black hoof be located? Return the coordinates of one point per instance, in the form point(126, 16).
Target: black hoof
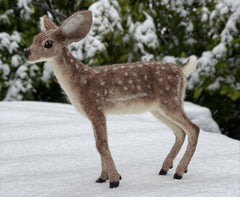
point(99, 180)
point(162, 172)
point(185, 171)
point(114, 184)
point(176, 176)
point(171, 167)
point(120, 178)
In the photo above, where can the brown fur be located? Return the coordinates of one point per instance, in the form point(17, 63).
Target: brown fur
point(157, 87)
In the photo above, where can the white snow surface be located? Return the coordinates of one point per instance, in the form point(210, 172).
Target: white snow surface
point(48, 149)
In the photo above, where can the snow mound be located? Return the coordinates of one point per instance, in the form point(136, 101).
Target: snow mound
point(202, 117)
point(49, 150)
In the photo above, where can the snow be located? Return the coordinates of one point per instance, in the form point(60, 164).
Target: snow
point(106, 19)
point(220, 50)
point(26, 8)
point(145, 32)
point(225, 11)
point(48, 149)
point(10, 42)
point(47, 72)
point(4, 69)
point(4, 18)
point(201, 116)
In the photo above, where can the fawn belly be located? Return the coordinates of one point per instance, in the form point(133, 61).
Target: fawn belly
point(133, 106)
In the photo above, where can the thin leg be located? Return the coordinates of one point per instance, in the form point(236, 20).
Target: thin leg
point(192, 131)
point(180, 136)
point(99, 126)
point(104, 174)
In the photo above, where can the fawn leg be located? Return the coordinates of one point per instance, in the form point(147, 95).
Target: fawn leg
point(192, 131)
point(99, 126)
point(104, 174)
point(180, 137)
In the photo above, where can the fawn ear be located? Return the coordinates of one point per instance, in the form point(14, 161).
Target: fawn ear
point(46, 24)
point(76, 27)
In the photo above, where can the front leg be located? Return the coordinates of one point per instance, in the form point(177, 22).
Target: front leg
point(104, 174)
point(100, 131)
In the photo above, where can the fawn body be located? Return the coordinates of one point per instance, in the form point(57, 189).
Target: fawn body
point(157, 87)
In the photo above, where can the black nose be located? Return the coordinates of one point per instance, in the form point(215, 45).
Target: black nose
point(27, 53)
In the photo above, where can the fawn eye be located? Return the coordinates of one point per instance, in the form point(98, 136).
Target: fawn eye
point(48, 44)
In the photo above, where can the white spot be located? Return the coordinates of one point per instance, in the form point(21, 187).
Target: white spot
point(125, 88)
point(77, 65)
point(160, 79)
point(169, 77)
point(178, 87)
point(111, 92)
point(157, 72)
point(105, 69)
point(105, 92)
point(64, 61)
point(71, 60)
point(163, 67)
point(120, 82)
point(98, 108)
point(176, 100)
point(126, 74)
point(167, 88)
point(130, 97)
point(145, 77)
point(149, 86)
point(97, 100)
point(122, 66)
point(139, 87)
point(165, 101)
point(98, 94)
point(84, 81)
point(96, 71)
point(140, 65)
point(134, 74)
point(130, 81)
point(115, 68)
point(133, 86)
point(102, 83)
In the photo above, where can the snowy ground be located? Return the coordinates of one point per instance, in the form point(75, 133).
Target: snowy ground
point(49, 150)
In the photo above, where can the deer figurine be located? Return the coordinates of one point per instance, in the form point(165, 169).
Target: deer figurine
point(157, 87)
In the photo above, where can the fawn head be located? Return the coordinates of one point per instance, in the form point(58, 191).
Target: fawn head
point(50, 43)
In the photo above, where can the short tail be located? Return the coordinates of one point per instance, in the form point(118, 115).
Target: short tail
point(190, 66)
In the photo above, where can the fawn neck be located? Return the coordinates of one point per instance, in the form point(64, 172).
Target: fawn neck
point(69, 72)
point(67, 67)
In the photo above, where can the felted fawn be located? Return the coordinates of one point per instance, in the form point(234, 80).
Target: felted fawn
point(157, 87)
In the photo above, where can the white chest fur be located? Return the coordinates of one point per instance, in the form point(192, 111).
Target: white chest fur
point(64, 80)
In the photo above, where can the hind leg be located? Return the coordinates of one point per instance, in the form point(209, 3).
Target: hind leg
point(179, 118)
point(180, 137)
point(192, 132)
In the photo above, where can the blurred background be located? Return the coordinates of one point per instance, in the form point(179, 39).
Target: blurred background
point(129, 31)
